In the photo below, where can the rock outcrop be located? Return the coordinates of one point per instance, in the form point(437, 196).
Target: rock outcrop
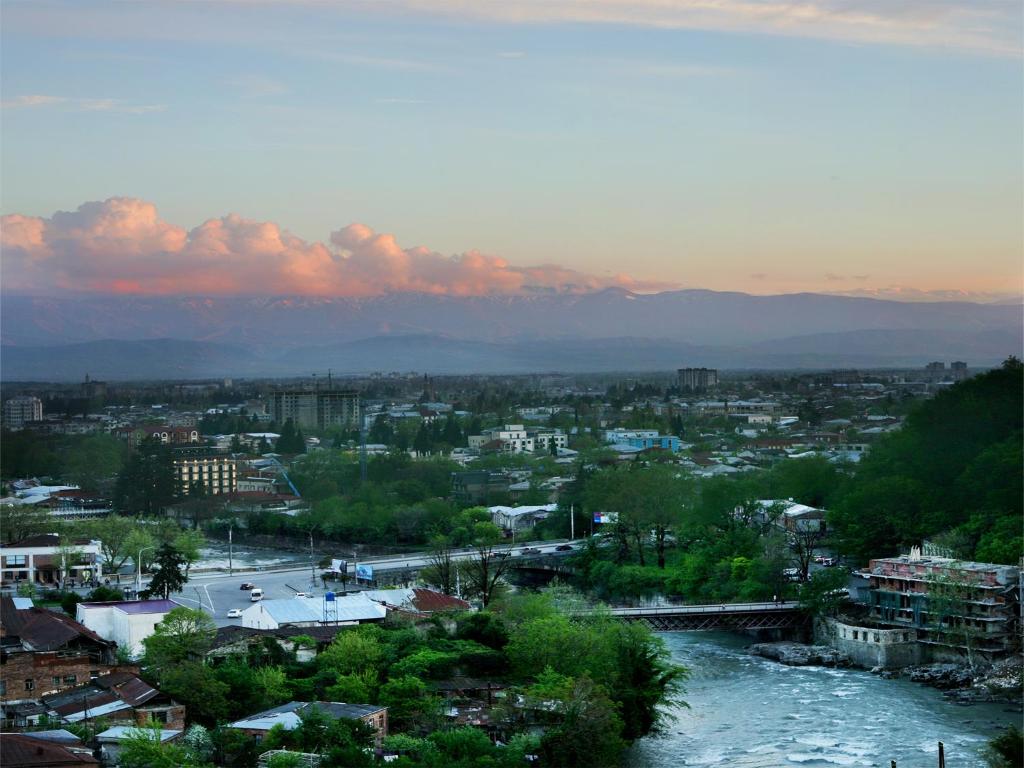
point(800, 655)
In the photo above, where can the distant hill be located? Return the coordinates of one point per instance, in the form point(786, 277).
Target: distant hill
point(692, 316)
point(176, 358)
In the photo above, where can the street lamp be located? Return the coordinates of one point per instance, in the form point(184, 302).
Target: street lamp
point(138, 571)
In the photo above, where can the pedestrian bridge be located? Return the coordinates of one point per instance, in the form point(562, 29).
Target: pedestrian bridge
point(737, 617)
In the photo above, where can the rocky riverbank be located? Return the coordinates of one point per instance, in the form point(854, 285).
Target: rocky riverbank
point(800, 655)
point(1000, 682)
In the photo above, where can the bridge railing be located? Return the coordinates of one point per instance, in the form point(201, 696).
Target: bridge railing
point(675, 610)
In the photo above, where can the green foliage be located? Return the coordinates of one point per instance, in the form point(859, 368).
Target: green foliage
point(353, 651)
point(463, 746)
point(183, 635)
point(146, 484)
point(824, 592)
point(196, 686)
point(1007, 749)
point(170, 573)
point(291, 440)
point(590, 732)
point(68, 603)
point(409, 701)
point(142, 748)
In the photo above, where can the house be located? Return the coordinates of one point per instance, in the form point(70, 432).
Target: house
point(313, 612)
point(511, 519)
point(953, 606)
point(126, 622)
point(288, 716)
point(476, 486)
point(21, 750)
point(44, 558)
point(787, 514)
point(43, 651)
point(120, 697)
point(112, 740)
point(416, 600)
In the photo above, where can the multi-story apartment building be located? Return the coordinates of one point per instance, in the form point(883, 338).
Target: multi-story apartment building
point(20, 410)
point(316, 409)
point(953, 605)
point(510, 438)
point(697, 379)
point(214, 472)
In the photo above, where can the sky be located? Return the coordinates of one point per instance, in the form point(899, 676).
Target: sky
point(332, 147)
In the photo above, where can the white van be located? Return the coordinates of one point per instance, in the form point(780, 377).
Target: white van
point(256, 595)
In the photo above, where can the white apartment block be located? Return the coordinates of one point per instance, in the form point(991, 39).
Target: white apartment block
point(19, 410)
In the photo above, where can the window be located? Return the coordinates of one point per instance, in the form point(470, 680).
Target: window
point(70, 679)
point(855, 634)
point(30, 685)
point(3, 687)
point(17, 560)
point(56, 680)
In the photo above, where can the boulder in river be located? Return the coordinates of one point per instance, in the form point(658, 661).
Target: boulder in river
point(800, 655)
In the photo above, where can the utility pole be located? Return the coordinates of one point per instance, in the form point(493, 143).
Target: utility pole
point(231, 529)
point(572, 522)
point(312, 569)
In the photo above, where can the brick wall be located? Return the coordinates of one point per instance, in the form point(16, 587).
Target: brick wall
point(41, 668)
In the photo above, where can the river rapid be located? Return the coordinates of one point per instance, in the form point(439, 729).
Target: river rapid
point(750, 712)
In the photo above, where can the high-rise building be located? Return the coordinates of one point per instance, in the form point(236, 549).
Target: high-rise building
point(697, 379)
point(316, 409)
point(19, 410)
point(958, 369)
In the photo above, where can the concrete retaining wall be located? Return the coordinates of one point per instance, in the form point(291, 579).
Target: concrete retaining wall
point(869, 647)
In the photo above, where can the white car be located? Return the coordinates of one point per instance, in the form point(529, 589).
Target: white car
point(235, 613)
point(303, 594)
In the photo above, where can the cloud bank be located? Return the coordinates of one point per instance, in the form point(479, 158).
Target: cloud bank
point(990, 27)
point(122, 246)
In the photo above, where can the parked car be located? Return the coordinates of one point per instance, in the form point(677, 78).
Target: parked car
point(829, 562)
point(303, 594)
point(503, 553)
point(530, 551)
point(564, 548)
point(791, 574)
point(235, 613)
point(246, 585)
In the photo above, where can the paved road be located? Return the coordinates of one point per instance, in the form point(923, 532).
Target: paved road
point(217, 593)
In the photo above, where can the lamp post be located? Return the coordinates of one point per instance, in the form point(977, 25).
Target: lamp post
point(138, 571)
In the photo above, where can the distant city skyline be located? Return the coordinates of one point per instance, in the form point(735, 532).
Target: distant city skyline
point(340, 148)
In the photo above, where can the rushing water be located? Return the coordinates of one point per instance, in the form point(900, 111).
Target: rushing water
point(755, 713)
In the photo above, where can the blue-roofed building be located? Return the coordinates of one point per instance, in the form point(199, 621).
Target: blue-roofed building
point(647, 442)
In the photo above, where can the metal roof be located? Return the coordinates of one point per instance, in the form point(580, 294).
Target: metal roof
point(118, 732)
point(288, 715)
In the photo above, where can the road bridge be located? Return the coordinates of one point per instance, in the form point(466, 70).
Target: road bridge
point(738, 617)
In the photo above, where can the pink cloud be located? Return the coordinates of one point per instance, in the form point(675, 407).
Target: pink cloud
point(121, 245)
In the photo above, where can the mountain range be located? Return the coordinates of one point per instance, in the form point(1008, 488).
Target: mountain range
point(125, 337)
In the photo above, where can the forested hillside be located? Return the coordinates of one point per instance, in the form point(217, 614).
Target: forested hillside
point(951, 475)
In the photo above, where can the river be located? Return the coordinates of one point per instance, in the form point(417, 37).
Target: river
point(750, 712)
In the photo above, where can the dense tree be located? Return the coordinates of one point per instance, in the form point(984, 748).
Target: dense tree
point(146, 485)
point(183, 635)
point(170, 573)
point(490, 562)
